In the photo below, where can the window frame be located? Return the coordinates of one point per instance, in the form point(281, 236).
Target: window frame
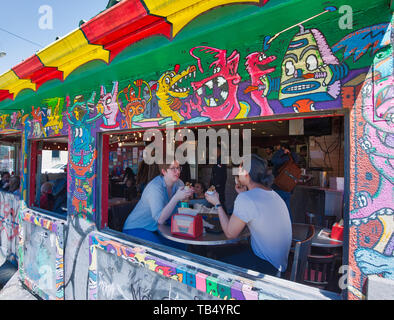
point(102, 203)
point(33, 149)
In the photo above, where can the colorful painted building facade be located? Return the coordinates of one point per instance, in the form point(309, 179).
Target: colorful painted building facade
point(144, 64)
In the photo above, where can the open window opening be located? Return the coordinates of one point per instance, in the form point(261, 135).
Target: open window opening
point(317, 147)
point(48, 175)
point(10, 151)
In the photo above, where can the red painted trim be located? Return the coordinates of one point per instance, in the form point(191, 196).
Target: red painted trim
point(34, 70)
point(5, 94)
point(33, 171)
point(104, 180)
point(124, 25)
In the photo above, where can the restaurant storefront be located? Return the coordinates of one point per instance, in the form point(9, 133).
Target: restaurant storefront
point(291, 74)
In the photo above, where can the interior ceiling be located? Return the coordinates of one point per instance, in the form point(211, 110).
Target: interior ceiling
point(259, 130)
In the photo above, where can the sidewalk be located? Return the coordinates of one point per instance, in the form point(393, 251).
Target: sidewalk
point(13, 290)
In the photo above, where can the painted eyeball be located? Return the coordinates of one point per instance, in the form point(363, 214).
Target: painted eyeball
point(311, 62)
point(167, 80)
point(108, 100)
point(262, 57)
point(172, 74)
point(289, 68)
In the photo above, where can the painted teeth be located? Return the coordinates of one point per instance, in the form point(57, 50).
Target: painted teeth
point(300, 87)
point(181, 90)
point(209, 84)
point(224, 94)
point(221, 81)
point(199, 91)
point(212, 102)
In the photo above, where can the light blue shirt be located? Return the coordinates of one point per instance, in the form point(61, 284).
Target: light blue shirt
point(153, 200)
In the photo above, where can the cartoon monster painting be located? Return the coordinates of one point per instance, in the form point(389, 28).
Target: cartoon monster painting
point(170, 92)
point(218, 91)
point(257, 65)
point(310, 72)
point(108, 106)
point(136, 104)
point(83, 153)
point(38, 118)
point(54, 111)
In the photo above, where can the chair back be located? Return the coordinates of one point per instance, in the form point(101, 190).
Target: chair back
point(320, 270)
point(119, 213)
point(302, 239)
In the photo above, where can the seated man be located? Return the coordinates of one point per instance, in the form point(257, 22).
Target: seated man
point(158, 202)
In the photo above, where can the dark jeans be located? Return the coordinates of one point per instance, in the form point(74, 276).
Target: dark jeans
point(248, 260)
point(155, 237)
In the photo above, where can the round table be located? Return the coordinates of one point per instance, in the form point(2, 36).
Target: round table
point(324, 242)
point(206, 239)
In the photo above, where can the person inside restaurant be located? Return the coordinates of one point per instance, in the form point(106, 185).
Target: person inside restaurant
point(130, 190)
point(199, 191)
point(5, 181)
point(128, 175)
point(158, 202)
point(219, 177)
point(47, 200)
point(280, 158)
point(15, 182)
point(266, 215)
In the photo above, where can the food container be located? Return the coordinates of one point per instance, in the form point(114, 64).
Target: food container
point(337, 232)
point(186, 225)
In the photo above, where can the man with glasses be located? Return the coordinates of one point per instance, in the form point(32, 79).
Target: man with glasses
point(159, 200)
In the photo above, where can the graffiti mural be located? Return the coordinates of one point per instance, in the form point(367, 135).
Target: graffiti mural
point(372, 218)
point(82, 154)
point(302, 68)
point(9, 227)
point(41, 255)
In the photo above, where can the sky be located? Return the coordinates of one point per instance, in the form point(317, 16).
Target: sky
point(39, 22)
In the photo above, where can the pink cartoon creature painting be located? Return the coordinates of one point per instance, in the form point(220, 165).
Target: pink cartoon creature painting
point(218, 91)
point(257, 65)
point(108, 106)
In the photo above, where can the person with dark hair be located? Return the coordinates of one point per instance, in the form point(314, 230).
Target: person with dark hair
point(130, 190)
point(128, 175)
point(199, 191)
point(302, 157)
point(5, 180)
point(219, 177)
point(266, 215)
point(280, 157)
point(15, 182)
point(269, 151)
point(158, 202)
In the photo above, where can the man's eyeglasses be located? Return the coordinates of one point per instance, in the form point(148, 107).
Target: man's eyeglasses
point(174, 169)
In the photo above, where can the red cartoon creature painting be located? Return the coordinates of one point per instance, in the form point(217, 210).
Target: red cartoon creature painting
point(257, 65)
point(218, 91)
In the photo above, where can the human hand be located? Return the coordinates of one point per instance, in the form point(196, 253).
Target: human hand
point(240, 188)
point(183, 193)
point(212, 198)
